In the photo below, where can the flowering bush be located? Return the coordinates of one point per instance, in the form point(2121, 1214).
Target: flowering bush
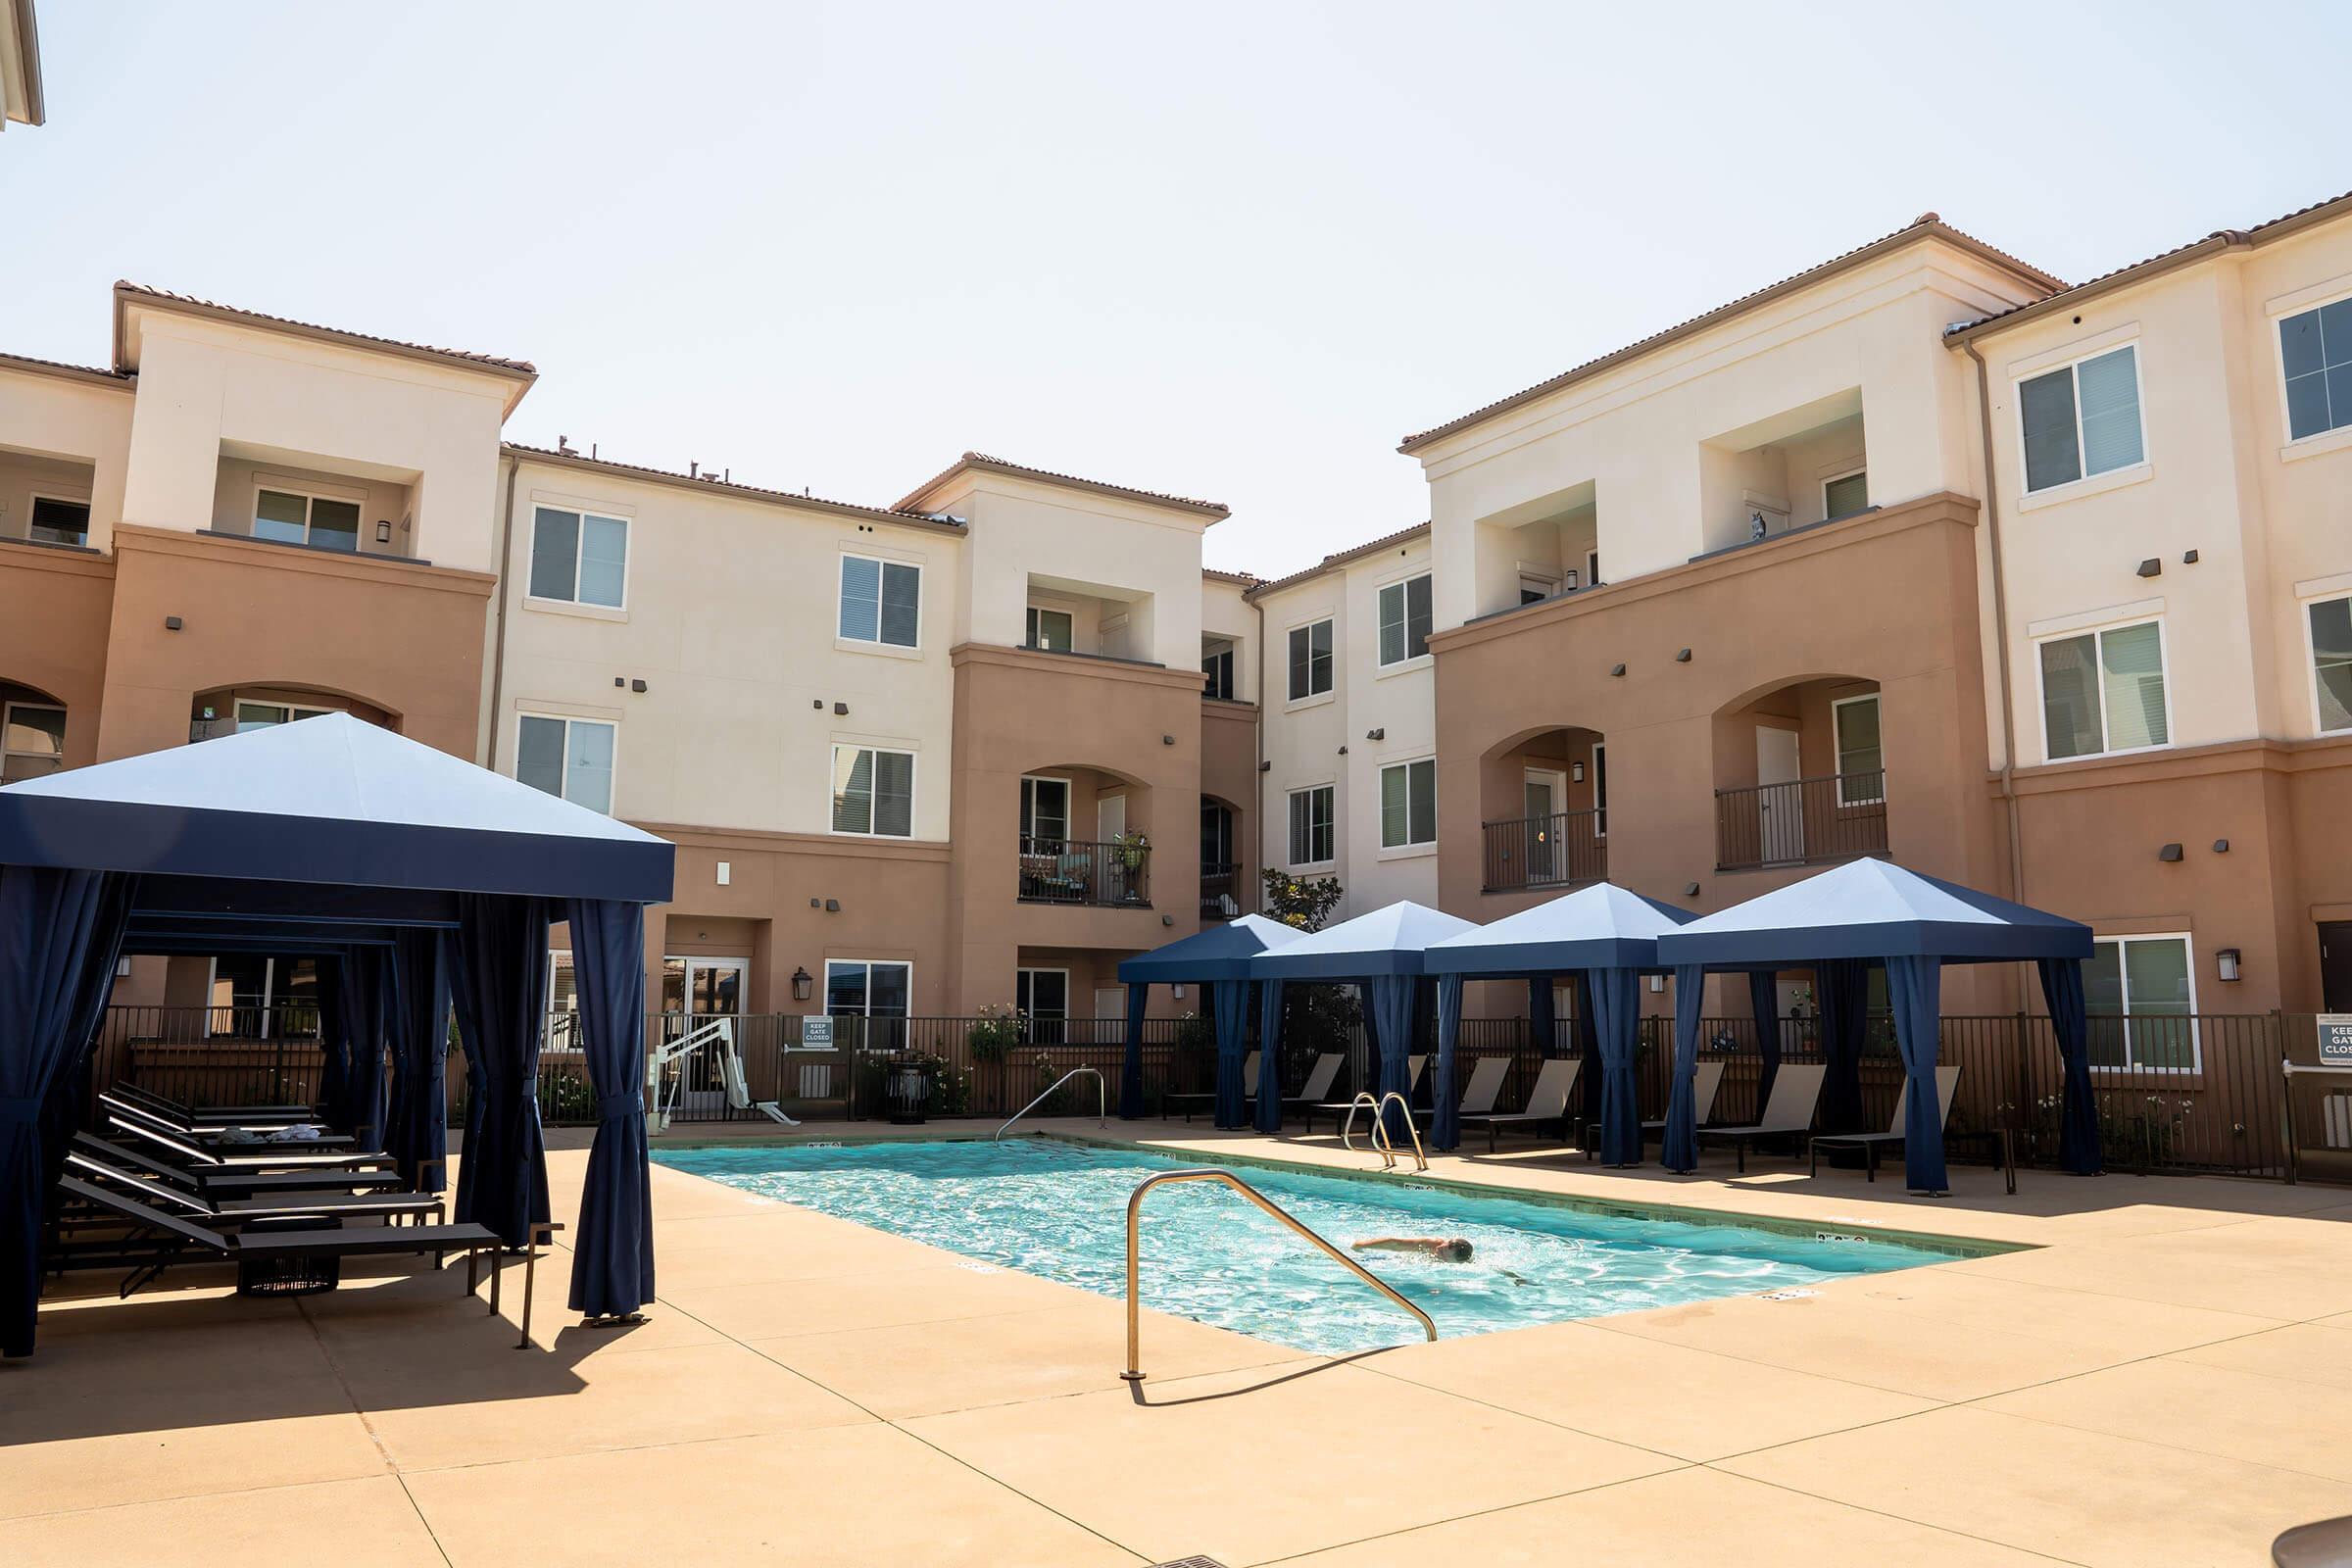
point(998, 1028)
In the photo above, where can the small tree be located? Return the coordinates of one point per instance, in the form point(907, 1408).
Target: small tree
point(1304, 901)
point(1315, 1017)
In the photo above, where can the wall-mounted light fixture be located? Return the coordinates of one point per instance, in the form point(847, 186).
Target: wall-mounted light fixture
point(1266, 766)
point(1167, 920)
point(1342, 751)
point(841, 709)
point(832, 905)
point(726, 872)
point(2169, 853)
point(173, 623)
point(1167, 740)
point(2227, 961)
point(1381, 734)
point(1616, 670)
point(1657, 984)
point(383, 531)
point(2188, 558)
point(2153, 566)
point(2220, 845)
point(1689, 890)
point(1683, 657)
point(1576, 772)
point(637, 685)
point(802, 982)
point(1177, 990)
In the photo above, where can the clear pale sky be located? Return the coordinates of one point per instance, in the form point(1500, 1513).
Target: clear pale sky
point(1230, 251)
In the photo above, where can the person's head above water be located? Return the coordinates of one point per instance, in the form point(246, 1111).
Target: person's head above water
point(1456, 1251)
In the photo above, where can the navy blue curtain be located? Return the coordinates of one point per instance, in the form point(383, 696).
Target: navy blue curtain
point(334, 1045)
point(613, 1253)
point(501, 993)
point(60, 935)
point(1614, 997)
point(417, 1125)
point(1542, 1028)
point(1269, 1051)
point(1131, 1065)
point(1841, 990)
point(2077, 1111)
point(1229, 999)
point(1679, 1150)
point(365, 995)
point(1587, 1050)
point(1445, 1107)
point(1915, 986)
point(1392, 1016)
point(1764, 1000)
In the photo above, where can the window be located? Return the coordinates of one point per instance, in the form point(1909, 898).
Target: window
point(567, 757)
point(1217, 837)
point(881, 602)
point(56, 520)
point(1042, 993)
point(1310, 825)
point(1591, 568)
point(294, 518)
point(2331, 661)
point(2104, 692)
point(1861, 765)
point(871, 989)
point(1045, 808)
point(1048, 629)
point(1601, 789)
point(33, 741)
point(1310, 660)
point(2081, 420)
point(2141, 998)
point(1404, 620)
point(1408, 804)
point(1845, 495)
point(268, 716)
point(2315, 349)
point(1535, 587)
point(1218, 667)
point(873, 792)
point(579, 557)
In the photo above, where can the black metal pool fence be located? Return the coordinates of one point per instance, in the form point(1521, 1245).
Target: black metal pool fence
point(2201, 1094)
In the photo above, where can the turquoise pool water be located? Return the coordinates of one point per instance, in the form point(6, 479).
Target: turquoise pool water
point(1059, 1209)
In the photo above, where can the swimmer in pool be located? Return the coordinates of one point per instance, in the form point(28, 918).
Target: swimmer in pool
point(1446, 1249)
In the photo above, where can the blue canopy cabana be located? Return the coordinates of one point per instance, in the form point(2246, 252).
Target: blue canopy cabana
point(1217, 959)
point(1873, 912)
point(1381, 952)
point(1606, 933)
point(421, 874)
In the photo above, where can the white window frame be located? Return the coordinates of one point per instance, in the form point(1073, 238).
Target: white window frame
point(8, 716)
point(2311, 644)
point(1600, 788)
point(2164, 655)
point(1529, 577)
point(2123, 971)
point(2139, 403)
point(1231, 654)
point(312, 494)
point(1405, 589)
point(1028, 971)
point(882, 565)
point(628, 555)
point(1380, 789)
point(567, 720)
point(296, 712)
point(1030, 626)
point(90, 512)
point(915, 769)
point(2279, 311)
point(1838, 752)
point(1593, 568)
point(1861, 471)
point(1069, 805)
point(826, 980)
point(1309, 625)
point(1291, 847)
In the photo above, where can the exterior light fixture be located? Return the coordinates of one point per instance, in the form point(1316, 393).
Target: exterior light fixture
point(2188, 558)
point(841, 709)
point(1576, 772)
point(2220, 845)
point(1376, 734)
point(2153, 566)
point(637, 685)
point(802, 983)
point(2227, 961)
point(1167, 740)
point(1657, 984)
point(832, 905)
point(383, 531)
point(173, 623)
point(1689, 890)
point(2169, 853)
point(1616, 670)
point(1167, 920)
point(1683, 658)
point(1266, 766)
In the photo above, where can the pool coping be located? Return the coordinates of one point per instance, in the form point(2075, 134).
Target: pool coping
point(1953, 1247)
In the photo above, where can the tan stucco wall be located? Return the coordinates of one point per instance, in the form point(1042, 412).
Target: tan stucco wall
point(55, 607)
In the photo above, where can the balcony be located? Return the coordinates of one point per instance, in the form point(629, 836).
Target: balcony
point(1220, 891)
point(1115, 875)
point(1805, 821)
point(1558, 850)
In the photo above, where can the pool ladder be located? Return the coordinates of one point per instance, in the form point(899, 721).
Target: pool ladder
point(1135, 1211)
point(1380, 1141)
point(1102, 1098)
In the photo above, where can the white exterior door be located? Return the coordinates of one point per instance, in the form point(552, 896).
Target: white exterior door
point(1780, 815)
point(1111, 818)
point(1111, 1001)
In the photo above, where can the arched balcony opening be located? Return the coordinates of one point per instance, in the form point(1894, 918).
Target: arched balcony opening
point(1800, 775)
point(1544, 798)
point(33, 732)
point(1086, 837)
point(239, 710)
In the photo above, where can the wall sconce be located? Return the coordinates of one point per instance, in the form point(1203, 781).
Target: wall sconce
point(1683, 657)
point(1657, 984)
point(1167, 740)
point(832, 905)
point(2227, 959)
point(2169, 853)
point(2220, 845)
point(383, 531)
point(1689, 890)
point(2153, 566)
point(802, 982)
point(1616, 670)
point(1265, 767)
point(1576, 772)
point(1376, 734)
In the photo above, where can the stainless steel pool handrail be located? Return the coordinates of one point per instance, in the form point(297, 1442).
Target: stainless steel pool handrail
point(1102, 1098)
point(1135, 1210)
point(1381, 1141)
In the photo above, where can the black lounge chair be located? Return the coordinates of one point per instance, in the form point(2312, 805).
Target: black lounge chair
point(1337, 1109)
point(1193, 1101)
point(232, 1211)
point(1787, 1115)
point(365, 1240)
point(224, 1133)
point(1873, 1144)
point(1546, 1100)
point(234, 1181)
point(217, 1115)
point(244, 1156)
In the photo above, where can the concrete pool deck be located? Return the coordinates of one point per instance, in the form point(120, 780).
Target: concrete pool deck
point(2159, 1380)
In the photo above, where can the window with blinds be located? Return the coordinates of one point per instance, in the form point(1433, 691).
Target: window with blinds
point(2103, 691)
point(2315, 349)
point(1404, 619)
point(873, 792)
point(1310, 660)
point(2331, 661)
point(881, 601)
point(1311, 825)
point(1408, 804)
point(2082, 420)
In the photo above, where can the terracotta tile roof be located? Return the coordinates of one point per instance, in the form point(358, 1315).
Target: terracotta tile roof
point(982, 461)
point(99, 371)
point(750, 492)
point(1246, 580)
point(1920, 227)
point(2219, 239)
point(125, 288)
point(1341, 558)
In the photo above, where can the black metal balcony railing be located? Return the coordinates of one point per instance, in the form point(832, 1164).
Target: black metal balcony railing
point(1802, 822)
point(1220, 891)
point(1068, 871)
point(1546, 852)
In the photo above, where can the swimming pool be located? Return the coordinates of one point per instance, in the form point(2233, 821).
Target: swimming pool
point(1059, 1209)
